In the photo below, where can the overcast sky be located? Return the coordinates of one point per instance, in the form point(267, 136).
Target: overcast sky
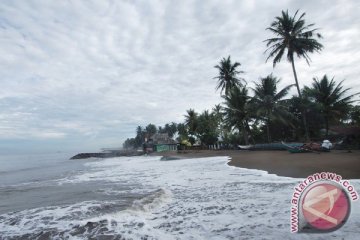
point(81, 75)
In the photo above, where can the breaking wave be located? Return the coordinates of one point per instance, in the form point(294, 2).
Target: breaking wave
point(200, 198)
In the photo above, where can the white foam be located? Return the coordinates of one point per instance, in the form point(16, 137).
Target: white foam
point(201, 198)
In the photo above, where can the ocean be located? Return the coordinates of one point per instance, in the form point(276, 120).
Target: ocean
point(51, 197)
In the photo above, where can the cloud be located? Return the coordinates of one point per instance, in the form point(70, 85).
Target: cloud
point(91, 71)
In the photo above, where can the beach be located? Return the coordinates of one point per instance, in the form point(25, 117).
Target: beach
point(283, 163)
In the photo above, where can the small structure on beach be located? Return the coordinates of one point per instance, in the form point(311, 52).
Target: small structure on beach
point(162, 142)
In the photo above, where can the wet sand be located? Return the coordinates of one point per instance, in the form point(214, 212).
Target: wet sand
point(283, 163)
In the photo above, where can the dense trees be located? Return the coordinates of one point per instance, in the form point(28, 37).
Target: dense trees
point(238, 111)
point(331, 98)
point(269, 104)
point(265, 113)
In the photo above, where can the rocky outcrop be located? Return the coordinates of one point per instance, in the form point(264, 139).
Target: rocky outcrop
point(107, 154)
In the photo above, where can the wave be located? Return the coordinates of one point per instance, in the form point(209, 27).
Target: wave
point(190, 199)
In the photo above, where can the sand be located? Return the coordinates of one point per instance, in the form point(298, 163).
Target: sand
point(283, 163)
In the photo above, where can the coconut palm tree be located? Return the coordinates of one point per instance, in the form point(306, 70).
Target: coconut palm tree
point(237, 110)
point(228, 75)
point(269, 103)
point(191, 121)
point(333, 101)
point(293, 35)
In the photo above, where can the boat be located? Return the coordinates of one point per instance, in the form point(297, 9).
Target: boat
point(299, 150)
point(245, 147)
point(306, 147)
point(270, 146)
point(295, 148)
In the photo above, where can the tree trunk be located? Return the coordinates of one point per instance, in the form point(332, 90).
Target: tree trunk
point(300, 96)
point(268, 131)
point(327, 126)
point(245, 133)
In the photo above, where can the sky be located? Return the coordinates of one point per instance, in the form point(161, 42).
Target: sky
point(82, 75)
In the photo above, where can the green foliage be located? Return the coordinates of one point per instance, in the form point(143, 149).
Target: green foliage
point(269, 104)
point(354, 115)
point(150, 130)
point(331, 98)
point(207, 128)
point(169, 128)
point(182, 132)
point(129, 143)
point(238, 110)
point(269, 114)
point(296, 106)
point(293, 35)
point(191, 121)
point(228, 75)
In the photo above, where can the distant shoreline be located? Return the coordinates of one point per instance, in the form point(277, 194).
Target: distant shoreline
point(283, 163)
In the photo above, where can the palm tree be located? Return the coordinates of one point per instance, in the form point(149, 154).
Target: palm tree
point(293, 35)
point(332, 99)
point(269, 103)
point(237, 111)
point(228, 78)
point(207, 128)
point(139, 139)
point(191, 121)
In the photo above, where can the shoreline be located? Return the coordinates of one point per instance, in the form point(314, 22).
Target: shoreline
point(283, 163)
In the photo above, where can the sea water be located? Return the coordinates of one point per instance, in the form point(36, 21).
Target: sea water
point(51, 197)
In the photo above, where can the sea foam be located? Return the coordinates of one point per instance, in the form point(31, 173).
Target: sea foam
point(201, 198)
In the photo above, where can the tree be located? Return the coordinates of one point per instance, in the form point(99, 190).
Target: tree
point(129, 143)
point(269, 103)
point(191, 121)
point(228, 78)
point(332, 99)
point(237, 111)
point(150, 130)
point(207, 128)
point(354, 115)
point(183, 134)
point(313, 116)
point(293, 35)
point(170, 129)
point(139, 139)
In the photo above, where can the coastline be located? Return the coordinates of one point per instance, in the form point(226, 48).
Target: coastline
point(283, 163)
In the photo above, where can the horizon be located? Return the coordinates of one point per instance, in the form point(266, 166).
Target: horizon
point(81, 76)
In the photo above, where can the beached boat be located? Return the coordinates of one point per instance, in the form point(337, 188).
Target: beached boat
point(295, 148)
point(270, 146)
point(305, 148)
point(245, 147)
point(298, 150)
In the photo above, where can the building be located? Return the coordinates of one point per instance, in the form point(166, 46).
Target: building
point(162, 142)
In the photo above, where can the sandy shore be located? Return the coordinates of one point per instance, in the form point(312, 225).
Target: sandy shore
point(284, 163)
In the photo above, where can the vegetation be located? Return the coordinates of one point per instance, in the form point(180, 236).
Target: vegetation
point(228, 75)
point(293, 35)
point(331, 98)
point(266, 113)
point(269, 105)
point(238, 112)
